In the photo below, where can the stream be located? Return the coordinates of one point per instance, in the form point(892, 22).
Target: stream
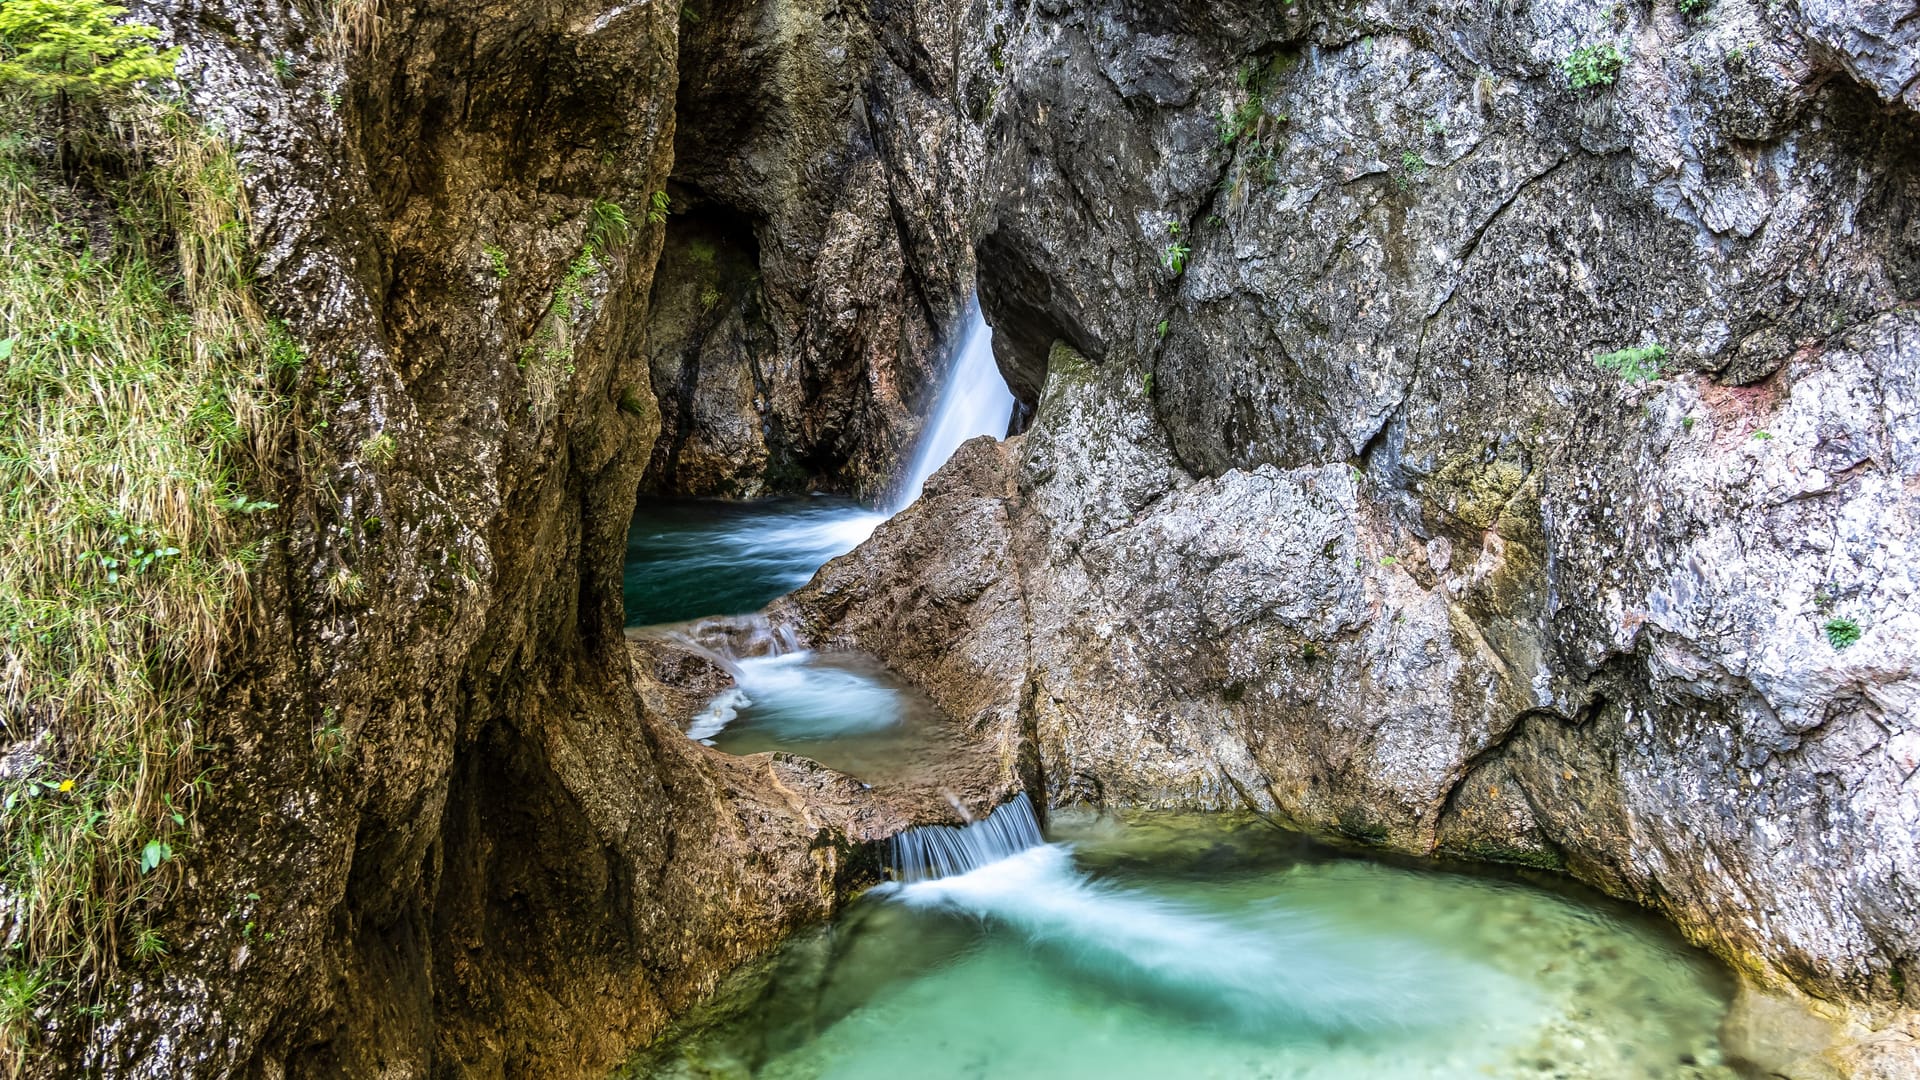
point(1213, 946)
point(1145, 945)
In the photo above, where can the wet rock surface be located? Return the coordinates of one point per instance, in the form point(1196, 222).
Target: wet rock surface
point(818, 261)
point(1326, 510)
point(1334, 515)
point(443, 831)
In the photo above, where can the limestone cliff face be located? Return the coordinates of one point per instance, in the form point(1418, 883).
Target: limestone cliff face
point(1329, 511)
point(439, 835)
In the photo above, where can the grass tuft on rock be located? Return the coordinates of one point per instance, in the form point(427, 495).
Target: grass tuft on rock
point(137, 414)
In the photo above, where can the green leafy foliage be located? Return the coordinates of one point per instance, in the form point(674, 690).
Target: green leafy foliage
point(77, 48)
point(1175, 257)
point(657, 211)
point(609, 228)
point(1841, 633)
point(1636, 365)
point(1593, 65)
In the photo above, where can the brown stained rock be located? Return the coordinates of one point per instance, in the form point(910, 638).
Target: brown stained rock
point(819, 259)
point(440, 834)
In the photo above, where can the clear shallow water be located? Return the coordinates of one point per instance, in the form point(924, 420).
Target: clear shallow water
point(687, 558)
point(1181, 947)
point(844, 710)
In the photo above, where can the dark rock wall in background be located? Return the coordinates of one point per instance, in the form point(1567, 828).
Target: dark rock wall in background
point(826, 162)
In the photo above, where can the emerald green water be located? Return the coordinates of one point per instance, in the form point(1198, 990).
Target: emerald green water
point(1202, 947)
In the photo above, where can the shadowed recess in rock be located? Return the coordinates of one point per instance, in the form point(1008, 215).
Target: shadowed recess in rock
point(1193, 947)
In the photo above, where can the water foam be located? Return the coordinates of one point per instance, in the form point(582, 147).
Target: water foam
point(975, 401)
point(1254, 970)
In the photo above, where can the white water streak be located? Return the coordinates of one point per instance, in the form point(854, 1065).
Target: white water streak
point(974, 401)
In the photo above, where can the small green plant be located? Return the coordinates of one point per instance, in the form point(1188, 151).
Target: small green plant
point(380, 450)
point(148, 944)
point(632, 402)
point(1412, 168)
point(1593, 65)
point(1146, 385)
point(21, 988)
point(1241, 121)
point(330, 741)
point(239, 503)
point(1763, 435)
point(346, 587)
point(1841, 633)
point(1160, 331)
point(1686, 424)
point(283, 68)
point(609, 229)
point(709, 298)
point(497, 257)
point(1694, 8)
point(657, 208)
point(1309, 652)
point(1175, 257)
point(155, 853)
point(1635, 365)
point(1389, 560)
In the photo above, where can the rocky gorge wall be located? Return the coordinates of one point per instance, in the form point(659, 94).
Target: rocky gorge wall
point(1328, 511)
point(1331, 514)
point(815, 272)
point(439, 833)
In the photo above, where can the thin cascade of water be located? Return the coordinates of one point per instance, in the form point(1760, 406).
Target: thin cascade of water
point(975, 401)
point(1257, 970)
point(937, 851)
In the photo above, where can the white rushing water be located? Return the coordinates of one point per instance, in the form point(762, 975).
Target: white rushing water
point(974, 400)
point(803, 695)
point(1253, 969)
point(939, 851)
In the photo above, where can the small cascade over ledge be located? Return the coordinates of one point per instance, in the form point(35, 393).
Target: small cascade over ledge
point(931, 852)
point(974, 400)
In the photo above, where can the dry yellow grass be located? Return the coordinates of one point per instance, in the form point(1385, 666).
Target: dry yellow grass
point(136, 411)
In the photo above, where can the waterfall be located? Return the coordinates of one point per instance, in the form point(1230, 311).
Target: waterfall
point(1255, 970)
point(974, 401)
point(937, 851)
